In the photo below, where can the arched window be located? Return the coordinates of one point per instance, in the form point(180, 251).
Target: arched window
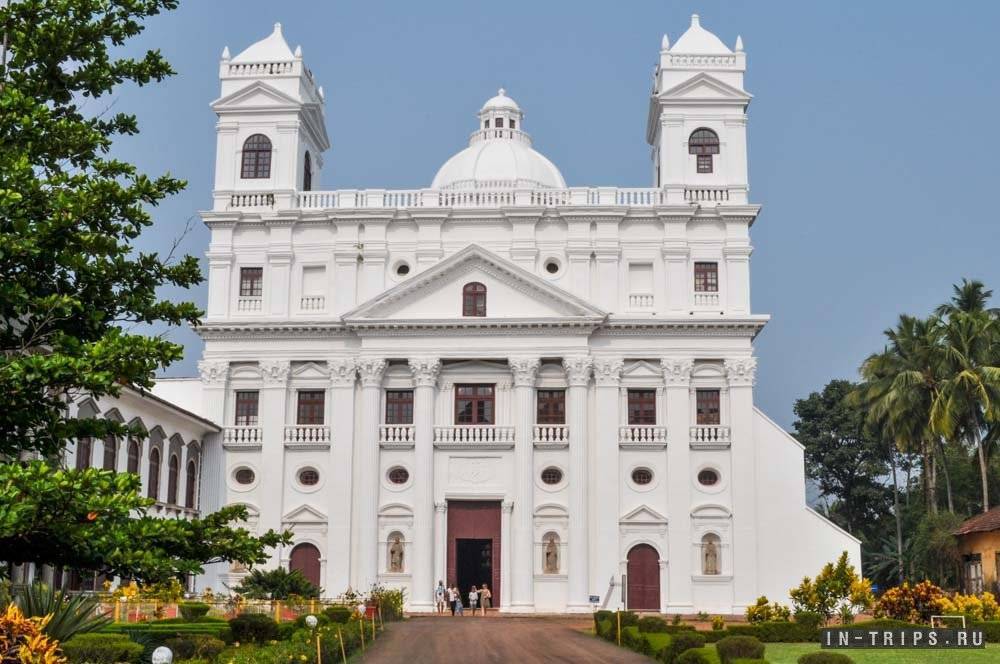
point(153, 490)
point(256, 158)
point(474, 299)
point(83, 453)
point(110, 453)
point(307, 174)
point(711, 554)
point(173, 469)
point(133, 455)
point(192, 485)
point(703, 143)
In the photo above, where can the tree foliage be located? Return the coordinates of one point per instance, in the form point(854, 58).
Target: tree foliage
point(276, 583)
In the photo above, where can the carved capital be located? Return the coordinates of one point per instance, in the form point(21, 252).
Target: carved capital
point(371, 370)
point(608, 370)
point(275, 372)
point(676, 372)
point(742, 372)
point(213, 372)
point(441, 507)
point(425, 370)
point(525, 370)
point(578, 368)
point(343, 371)
point(507, 506)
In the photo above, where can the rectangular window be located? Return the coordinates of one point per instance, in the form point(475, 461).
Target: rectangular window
point(310, 407)
point(551, 407)
point(704, 163)
point(251, 281)
point(399, 406)
point(246, 408)
point(973, 572)
point(642, 407)
point(707, 402)
point(513, 124)
point(474, 404)
point(706, 277)
point(498, 123)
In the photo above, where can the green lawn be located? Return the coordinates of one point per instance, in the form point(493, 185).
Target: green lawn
point(789, 653)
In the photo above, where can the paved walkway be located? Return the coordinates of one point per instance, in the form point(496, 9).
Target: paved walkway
point(477, 640)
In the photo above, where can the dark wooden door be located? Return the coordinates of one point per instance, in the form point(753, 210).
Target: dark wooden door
point(305, 558)
point(475, 520)
point(643, 578)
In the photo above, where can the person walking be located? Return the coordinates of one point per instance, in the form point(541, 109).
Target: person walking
point(440, 596)
point(473, 599)
point(485, 598)
point(451, 599)
point(459, 609)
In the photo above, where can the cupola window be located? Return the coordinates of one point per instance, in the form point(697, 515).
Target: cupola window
point(256, 158)
point(703, 143)
point(486, 123)
point(499, 123)
point(307, 174)
point(474, 299)
point(513, 123)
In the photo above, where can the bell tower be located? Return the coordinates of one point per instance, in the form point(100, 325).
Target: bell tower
point(697, 119)
point(271, 133)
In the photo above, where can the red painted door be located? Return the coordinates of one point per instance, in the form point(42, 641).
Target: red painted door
point(643, 578)
point(474, 520)
point(305, 558)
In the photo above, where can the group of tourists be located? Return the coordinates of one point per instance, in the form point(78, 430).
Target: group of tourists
point(451, 597)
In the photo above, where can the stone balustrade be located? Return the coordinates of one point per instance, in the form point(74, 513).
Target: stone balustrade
point(397, 436)
point(706, 299)
point(243, 437)
point(551, 436)
point(642, 436)
point(710, 436)
point(640, 302)
point(307, 436)
point(249, 304)
point(312, 303)
point(474, 437)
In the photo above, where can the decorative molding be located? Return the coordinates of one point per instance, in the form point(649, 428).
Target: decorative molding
point(371, 369)
point(425, 370)
point(608, 370)
point(507, 506)
point(213, 372)
point(275, 372)
point(343, 371)
point(578, 369)
point(525, 370)
point(677, 372)
point(742, 372)
point(441, 507)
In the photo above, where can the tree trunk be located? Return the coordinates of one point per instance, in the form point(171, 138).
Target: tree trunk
point(930, 479)
point(909, 467)
point(899, 517)
point(947, 475)
point(983, 474)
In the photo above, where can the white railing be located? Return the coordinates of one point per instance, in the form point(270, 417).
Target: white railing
point(397, 435)
point(705, 299)
point(642, 435)
point(691, 60)
point(642, 301)
point(473, 436)
point(249, 304)
point(254, 199)
point(516, 135)
point(261, 68)
point(551, 435)
point(249, 436)
point(706, 194)
point(640, 197)
point(710, 435)
point(309, 200)
point(312, 302)
point(307, 434)
point(476, 199)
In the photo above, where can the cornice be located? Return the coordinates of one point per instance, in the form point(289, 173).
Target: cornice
point(711, 327)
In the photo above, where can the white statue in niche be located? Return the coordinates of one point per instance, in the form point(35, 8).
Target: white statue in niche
point(551, 556)
point(710, 554)
point(396, 556)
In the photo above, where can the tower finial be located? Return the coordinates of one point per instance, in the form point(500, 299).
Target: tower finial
point(502, 92)
point(665, 42)
point(225, 53)
point(695, 21)
point(277, 28)
point(298, 51)
point(739, 44)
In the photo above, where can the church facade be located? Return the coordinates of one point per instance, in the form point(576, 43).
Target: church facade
point(501, 378)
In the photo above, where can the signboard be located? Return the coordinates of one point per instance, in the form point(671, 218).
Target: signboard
point(595, 599)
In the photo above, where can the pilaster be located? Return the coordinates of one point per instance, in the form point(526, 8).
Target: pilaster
point(273, 392)
point(343, 380)
point(425, 373)
point(525, 371)
point(506, 507)
point(741, 374)
point(677, 386)
point(605, 475)
point(441, 541)
point(578, 369)
point(366, 476)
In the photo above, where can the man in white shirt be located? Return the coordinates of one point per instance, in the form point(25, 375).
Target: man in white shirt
point(440, 596)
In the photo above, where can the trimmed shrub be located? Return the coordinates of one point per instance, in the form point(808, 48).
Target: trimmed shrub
point(342, 614)
point(735, 647)
point(652, 624)
point(97, 648)
point(809, 619)
point(743, 660)
point(633, 639)
point(195, 647)
point(605, 630)
point(629, 618)
point(152, 635)
point(991, 630)
point(694, 656)
point(253, 627)
point(285, 630)
point(825, 658)
point(193, 611)
point(173, 621)
point(680, 643)
point(778, 631)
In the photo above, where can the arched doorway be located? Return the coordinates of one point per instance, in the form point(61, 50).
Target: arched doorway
point(643, 578)
point(305, 558)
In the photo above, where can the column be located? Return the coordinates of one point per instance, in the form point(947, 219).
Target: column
point(578, 369)
point(524, 370)
point(740, 374)
point(425, 373)
point(214, 382)
point(505, 564)
point(605, 478)
point(366, 473)
point(273, 394)
point(441, 541)
point(677, 383)
point(343, 378)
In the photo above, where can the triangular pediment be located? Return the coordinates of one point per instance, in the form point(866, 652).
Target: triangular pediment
point(512, 293)
point(307, 370)
point(644, 516)
point(706, 87)
point(256, 95)
point(642, 369)
point(304, 514)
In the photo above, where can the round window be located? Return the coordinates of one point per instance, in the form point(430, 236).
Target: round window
point(708, 477)
point(403, 269)
point(642, 476)
point(551, 267)
point(244, 476)
point(309, 477)
point(552, 475)
point(399, 475)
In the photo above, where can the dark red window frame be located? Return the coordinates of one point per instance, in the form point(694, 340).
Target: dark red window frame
point(475, 404)
point(251, 281)
point(706, 277)
point(642, 407)
point(474, 299)
point(110, 453)
point(551, 407)
point(173, 477)
point(707, 406)
point(705, 163)
point(256, 158)
point(399, 406)
point(307, 173)
point(133, 455)
point(704, 143)
point(153, 491)
point(84, 453)
point(192, 484)
point(247, 402)
point(310, 407)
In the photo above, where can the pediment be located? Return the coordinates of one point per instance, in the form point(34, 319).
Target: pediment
point(513, 293)
point(256, 95)
point(643, 516)
point(551, 511)
point(307, 370)
point(396, 509)
point(711, 512)
point(706, 87)
point(304, 514)
point(642, 369)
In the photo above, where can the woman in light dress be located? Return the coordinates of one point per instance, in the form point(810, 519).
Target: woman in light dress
point(473, 599)
point(485, 598)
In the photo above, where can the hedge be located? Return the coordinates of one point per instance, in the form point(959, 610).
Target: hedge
point(694, 656)
point(195, 647)
point(736, 647)
point(653, 624)
point(156, 633)
point(253, 627)
point(97, 648)
point(825, 658)
point(192, 611)
point(991, 630)
point(776, 631)
point(680, 643)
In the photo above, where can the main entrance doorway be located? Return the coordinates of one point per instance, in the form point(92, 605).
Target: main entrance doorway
point(643, 578)
point(474, 546)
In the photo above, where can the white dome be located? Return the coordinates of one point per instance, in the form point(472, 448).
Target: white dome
point(499, 155)
point(699, 41)
point(272, 48)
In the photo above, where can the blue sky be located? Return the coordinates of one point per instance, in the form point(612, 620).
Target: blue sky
point(873, 134)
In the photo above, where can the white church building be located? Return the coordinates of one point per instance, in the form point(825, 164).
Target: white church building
point(501, 378)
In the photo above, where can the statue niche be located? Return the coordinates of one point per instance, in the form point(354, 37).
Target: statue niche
point(395, 557)
point(551, 554)
point(710, 554)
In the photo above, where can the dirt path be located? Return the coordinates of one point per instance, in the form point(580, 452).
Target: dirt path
point(477, 640)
